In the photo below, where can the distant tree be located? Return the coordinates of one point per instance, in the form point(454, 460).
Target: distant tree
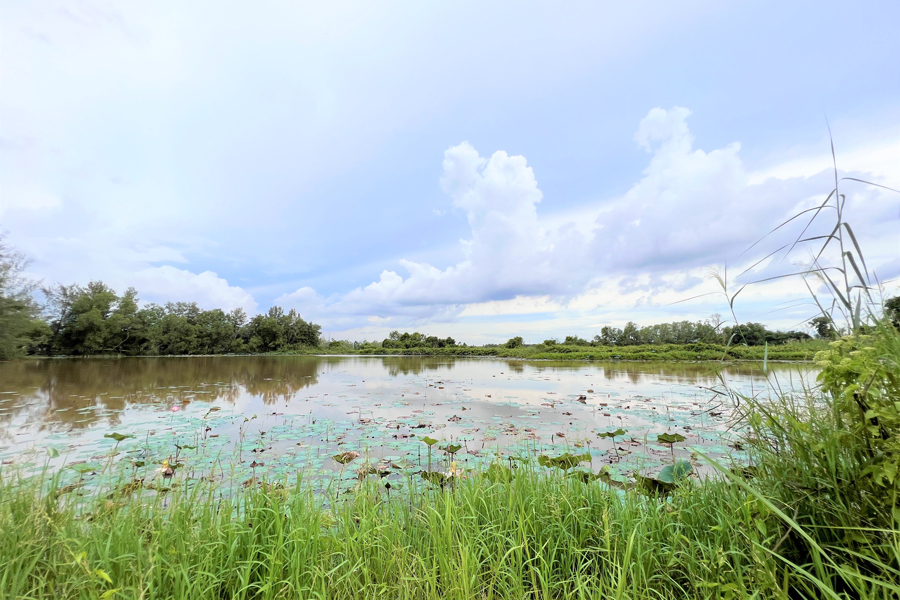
point(631, 334)
point(611, 336)
point(58, 303)
point(574, 340)
point(515, 342)
point(550, 342)
point(892, 310)
point(20, 327)
point(824, 327)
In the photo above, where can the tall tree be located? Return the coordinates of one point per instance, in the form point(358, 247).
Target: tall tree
point(19, 323)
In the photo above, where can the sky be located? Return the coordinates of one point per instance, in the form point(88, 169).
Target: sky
point(473, 169)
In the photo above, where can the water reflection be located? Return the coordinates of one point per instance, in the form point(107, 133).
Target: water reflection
point(75, 393)
point(297, 411)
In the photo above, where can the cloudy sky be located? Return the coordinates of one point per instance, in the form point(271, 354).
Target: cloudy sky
point(474, 169)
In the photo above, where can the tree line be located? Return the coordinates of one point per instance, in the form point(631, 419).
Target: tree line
point(681, 333)
point(396, 339)
point(93, 320)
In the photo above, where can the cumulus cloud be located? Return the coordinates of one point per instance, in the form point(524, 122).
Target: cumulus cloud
point(208, 290)
point(509, 252)
point(691, 209)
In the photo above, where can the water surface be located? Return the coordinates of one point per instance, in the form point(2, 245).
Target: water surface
point(234, 418)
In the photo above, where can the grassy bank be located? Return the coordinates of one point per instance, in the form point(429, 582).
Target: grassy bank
point(538, 535)
point(814, 515)
point(794, 351)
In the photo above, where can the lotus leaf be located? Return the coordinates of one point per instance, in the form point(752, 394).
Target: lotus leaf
point(564, 461)
point(670, 438)
point(675, 473)
point(612, 434)
point(345, 457)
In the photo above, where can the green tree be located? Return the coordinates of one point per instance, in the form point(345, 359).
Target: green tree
point(610, 336)
point(631, 335)
point(892, 310)
point(515, 342)
point(20, 327)
point(85, 330)
point(824, 327)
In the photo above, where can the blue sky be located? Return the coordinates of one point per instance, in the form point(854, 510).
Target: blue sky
point(475, 169)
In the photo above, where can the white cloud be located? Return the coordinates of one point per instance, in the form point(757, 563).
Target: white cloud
point(648, 248)
point(520, 305)
point(208, 290)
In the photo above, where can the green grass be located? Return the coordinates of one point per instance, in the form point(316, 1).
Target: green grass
point(539, 535)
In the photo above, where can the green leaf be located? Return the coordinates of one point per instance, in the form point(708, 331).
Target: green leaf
point(452, 448)
point(670, 438)
point(102, 575)
point(429, 441)
point(612, 434)
point(117, 436)
point(109, 593)
point(564, 461)
point(653, 486)
point(761, 527)
point(52, 452)
point(83, 468)
point(675, 473)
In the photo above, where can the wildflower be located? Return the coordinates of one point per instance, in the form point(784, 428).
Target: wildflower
point(454, 472)
point(166, 470)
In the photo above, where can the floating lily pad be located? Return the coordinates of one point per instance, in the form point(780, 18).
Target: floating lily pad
point(563, 461)
point(670, 438)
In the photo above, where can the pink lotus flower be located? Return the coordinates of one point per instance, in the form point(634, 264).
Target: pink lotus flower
point(176, 408)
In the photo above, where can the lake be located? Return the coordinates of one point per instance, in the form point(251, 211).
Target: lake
point(233, 419)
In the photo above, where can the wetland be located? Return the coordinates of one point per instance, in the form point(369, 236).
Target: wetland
point(239, 419)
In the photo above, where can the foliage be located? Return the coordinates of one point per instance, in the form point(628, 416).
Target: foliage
point(862, 374)
point(828, 461)
point(515, 342)
point(94, 320)
point(564, 461)
point(824, 327)
point(19, 326)
point(892, 310)
point(416, 340)
point(686, 332)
